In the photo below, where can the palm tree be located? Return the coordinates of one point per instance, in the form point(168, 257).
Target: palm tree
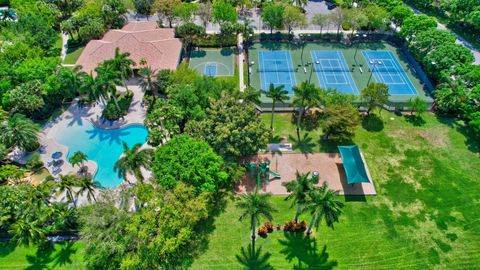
point(86, 184)
point(123, 65)
point(299, 190)
point(323, 204)
point(107, 81)
point(132, 160)
point(277, 94)
point(250, 95)
point(71, 80)
point(78, 158)
point(19, 131)
point(66, 184)
point(27, 231)
point(147, 82)
point(305, 95)
point(255, 205)
point(89, 87)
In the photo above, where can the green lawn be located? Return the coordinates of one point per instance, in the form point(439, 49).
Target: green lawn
point(426, 213)
point(73, 54)
point(67, 255)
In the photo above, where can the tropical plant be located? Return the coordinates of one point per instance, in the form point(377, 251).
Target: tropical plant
point(132, 160)
point(78, 158)
point(375, 95)
point(71, 80)
point(304, 96)
point(299, 190)
point(147, 80)
point(323, 204)
point(28, 231)
point(66, 184)
point(255, 206)
point(106, 83)
point(417, 105)
point(19, 131)
point(321, 20)
point(86, 184)
point(340, 123)
point(122, 64)
point(251, 95)
point(277, 94)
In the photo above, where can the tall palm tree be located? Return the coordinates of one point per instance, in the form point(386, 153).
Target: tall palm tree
point(71, 80)
point(89, 87)
point(251, 95)
point(78, 158)
point(19, 131)
point(323, 204)
point(277, 94)
point(66, 184)
point(86, 185)
point(123, 64)
point(132, 160)
point(305, 95)
point(147, 80)
point(254, 206)
point(107, 81)
point(299, 190)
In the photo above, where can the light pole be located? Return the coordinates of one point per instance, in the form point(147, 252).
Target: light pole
point(311, 71)
point(358, 44)
point(374, 64)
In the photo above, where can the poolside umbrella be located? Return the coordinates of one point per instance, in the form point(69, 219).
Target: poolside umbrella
point(353, 164)
point(57, 155)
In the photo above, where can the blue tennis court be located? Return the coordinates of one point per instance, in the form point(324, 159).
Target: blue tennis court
point(276, 68)
point(333, 72)
point(386, 69)
point(210, 69)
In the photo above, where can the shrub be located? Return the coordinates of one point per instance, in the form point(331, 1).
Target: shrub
point(269, 226)
point(34, 162)
point(262, 231)
point(346, 26)
point(9, 171)
point(292, 226)
point(111, 111)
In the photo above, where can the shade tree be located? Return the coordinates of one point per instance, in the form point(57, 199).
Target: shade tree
point(375, 95)
point(340, 123)
point(272, 16)
point(293, 17)
point(191, 161)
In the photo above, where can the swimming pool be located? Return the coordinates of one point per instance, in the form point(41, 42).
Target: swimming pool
point(101, 145)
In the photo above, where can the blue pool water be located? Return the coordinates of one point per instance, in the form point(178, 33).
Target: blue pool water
point(102, 146)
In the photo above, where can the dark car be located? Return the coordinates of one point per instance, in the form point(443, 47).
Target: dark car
point(330, 5)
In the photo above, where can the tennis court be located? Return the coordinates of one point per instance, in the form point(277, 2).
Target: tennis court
point(386, 69)
point(333, 72)
point(213, 62)
point(275, 67)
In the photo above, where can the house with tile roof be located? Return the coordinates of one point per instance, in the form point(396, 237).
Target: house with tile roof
point(143, 40)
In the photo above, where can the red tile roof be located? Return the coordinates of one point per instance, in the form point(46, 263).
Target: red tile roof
point(157, 46)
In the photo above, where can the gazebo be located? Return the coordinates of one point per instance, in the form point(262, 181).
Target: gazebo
point(353, 164)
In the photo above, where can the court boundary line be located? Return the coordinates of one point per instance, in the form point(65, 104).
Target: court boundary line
point(277, 56)
point(410, 86)
point(348, 77)
point(217, 63)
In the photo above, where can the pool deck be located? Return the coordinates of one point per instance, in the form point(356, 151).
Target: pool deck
point(329, 165)
point(76, 114)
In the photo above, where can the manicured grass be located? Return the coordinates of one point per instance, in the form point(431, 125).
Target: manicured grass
point(73, 54)
point(425, 214)
point(67, 255)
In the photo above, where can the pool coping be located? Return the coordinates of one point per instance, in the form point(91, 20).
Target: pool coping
point(75, 112)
